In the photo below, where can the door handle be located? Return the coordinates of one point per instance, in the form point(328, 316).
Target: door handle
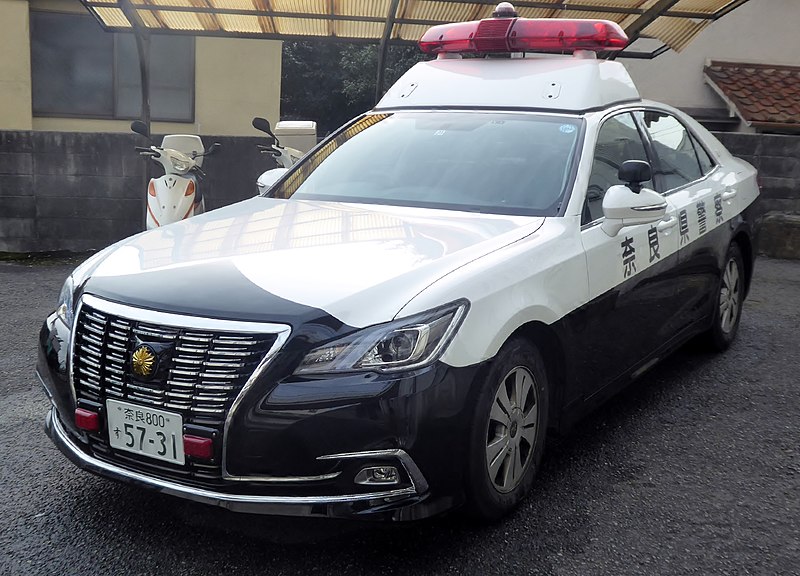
point(729, 194)
point(667, 224)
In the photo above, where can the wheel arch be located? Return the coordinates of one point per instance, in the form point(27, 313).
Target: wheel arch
point(742, 240)
point(550, 344)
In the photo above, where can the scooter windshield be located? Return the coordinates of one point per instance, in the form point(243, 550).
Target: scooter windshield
point(491, 162)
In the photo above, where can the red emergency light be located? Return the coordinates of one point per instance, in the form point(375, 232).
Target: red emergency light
point(524, 35)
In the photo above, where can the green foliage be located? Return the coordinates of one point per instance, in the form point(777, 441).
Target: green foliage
point(333, 82)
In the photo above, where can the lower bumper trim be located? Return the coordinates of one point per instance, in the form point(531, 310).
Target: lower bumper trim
point(277, 505)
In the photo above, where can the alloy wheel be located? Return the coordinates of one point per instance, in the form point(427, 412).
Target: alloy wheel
point(512, 429)
point(729, 296)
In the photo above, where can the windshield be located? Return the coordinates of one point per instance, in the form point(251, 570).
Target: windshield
point(492, 162)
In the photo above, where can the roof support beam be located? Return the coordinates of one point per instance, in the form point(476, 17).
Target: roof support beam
point(658, 9)
point(142, 36)
point(155, 6)
point(383, 49)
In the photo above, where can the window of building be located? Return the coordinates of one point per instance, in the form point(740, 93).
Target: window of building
point(78, 69)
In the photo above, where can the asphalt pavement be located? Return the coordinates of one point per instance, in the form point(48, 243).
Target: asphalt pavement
point(695, 469)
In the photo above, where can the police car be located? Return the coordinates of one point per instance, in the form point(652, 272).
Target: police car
point(391, 331)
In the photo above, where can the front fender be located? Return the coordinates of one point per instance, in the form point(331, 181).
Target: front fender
point(540, 278)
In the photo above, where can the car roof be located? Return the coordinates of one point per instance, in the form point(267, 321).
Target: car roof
point(567, 84)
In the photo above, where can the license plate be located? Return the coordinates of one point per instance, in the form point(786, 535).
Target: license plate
point(145, 431)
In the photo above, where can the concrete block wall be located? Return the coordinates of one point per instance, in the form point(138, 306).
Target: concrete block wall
point(65, 191)
point(777, 159)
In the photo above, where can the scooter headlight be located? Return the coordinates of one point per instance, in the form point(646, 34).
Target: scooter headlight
point(405, 344)
point(180, 165)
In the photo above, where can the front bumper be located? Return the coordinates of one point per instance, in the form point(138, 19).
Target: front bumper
point(310, 440)
point(386, 503)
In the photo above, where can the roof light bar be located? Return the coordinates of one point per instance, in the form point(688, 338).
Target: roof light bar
point(524, 35)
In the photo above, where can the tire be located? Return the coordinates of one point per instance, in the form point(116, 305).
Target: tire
point(730, 297)
point(504, 427)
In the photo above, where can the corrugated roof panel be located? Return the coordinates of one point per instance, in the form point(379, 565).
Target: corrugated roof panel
point(411, 32)
point(266, 24)
point(149, 18)
point(180, 20)
point(613, 16)
point(113, 17)
point(238, 23)
point(702, 6)
point(623, 4)
point(181, 3)
point(444, 11)
point(534, 12)
point(348, 29)
point(233, 4)
point(300, 6)
point(369, 8)
point(301, 26)
point(675, 32)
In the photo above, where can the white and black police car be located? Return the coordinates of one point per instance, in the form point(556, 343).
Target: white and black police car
point(391, 331)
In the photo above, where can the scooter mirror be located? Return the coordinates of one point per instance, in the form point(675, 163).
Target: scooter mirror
point(262, 124)
point(140, 128)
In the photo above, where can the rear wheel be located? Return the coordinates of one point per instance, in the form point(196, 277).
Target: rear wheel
point(728, 309)
point(508, 431)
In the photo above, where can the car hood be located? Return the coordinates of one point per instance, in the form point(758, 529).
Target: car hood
point(280, 260)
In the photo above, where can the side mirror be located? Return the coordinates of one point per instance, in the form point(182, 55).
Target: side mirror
point(633, 173)
point(623, 207)
point(140, 128)
point(262, 124)
point(268, 178)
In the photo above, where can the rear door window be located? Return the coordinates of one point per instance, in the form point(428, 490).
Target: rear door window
point(678, 164)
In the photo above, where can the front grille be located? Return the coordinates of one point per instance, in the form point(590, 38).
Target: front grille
point(200, 374)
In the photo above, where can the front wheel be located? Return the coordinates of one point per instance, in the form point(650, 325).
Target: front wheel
point(508, 431)
point(728, 309)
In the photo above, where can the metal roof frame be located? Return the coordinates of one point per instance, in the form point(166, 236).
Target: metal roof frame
point(673, 22)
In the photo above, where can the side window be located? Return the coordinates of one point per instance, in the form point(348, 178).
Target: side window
point(706, 163)
point(617, 141)
point(677, 159)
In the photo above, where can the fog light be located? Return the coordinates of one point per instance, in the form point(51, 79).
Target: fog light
point(377, 475)
point(198, 447)
point(87, 420)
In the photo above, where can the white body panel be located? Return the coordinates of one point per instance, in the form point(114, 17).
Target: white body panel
point(566, 84)
point(359, 263)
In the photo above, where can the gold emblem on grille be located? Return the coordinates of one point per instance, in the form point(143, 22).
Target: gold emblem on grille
point(143, 361)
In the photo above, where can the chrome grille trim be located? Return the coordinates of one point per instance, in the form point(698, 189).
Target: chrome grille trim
point(204, 370)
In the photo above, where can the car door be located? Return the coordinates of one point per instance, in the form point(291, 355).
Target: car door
point(631, 292)
point(691, 180)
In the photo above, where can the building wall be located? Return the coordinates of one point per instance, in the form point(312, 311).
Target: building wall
point(760, 31)
point(62, 191)
point(235, 79)
point(15, 66)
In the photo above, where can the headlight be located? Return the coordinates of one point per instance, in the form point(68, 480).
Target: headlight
point(64, 309)
point(180, 165)
point(399, 345)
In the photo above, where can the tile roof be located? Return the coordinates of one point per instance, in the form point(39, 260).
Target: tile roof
point(763, 95)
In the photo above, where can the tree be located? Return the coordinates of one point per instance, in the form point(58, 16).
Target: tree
point(332, 82)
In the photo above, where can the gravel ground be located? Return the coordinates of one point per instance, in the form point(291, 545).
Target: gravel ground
point(695, 469)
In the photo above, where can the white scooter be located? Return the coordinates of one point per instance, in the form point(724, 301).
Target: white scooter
point(285, 157)
point(175, 195)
